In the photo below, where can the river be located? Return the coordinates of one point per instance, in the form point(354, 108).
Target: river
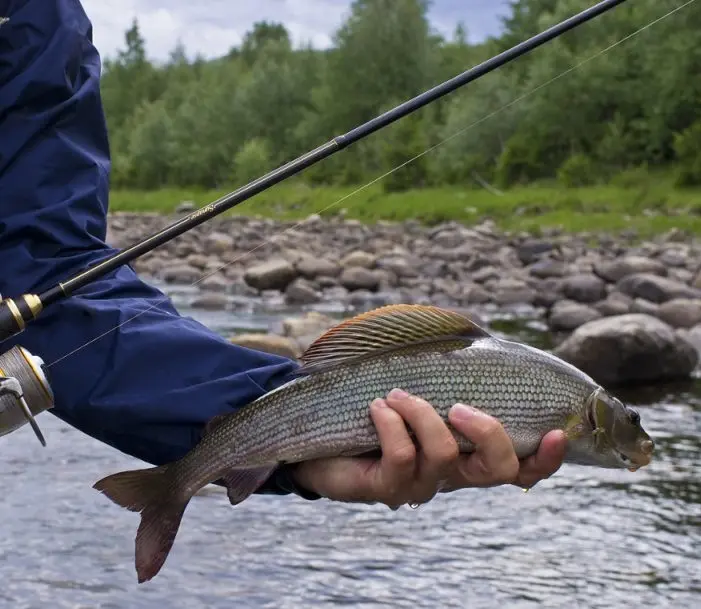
point(584, 538)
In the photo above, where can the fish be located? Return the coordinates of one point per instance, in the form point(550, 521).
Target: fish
point(323, 411)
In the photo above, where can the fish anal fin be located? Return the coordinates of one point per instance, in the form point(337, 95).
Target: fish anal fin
point(390, 328)
point(242, 483)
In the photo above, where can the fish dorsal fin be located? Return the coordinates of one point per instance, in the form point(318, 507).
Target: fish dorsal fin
point(389, 328)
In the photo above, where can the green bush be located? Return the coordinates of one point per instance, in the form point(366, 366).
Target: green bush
point(252, 161)
point(519, 163)
point(577, 171)
point(687, 146)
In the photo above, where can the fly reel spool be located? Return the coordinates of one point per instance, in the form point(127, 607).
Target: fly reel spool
point(24, 391)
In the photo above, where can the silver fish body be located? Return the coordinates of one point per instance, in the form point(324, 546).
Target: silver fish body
point(327, 414)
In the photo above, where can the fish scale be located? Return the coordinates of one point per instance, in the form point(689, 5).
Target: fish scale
point(328, 413)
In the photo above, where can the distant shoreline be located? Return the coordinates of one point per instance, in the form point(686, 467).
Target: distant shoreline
point(649, 207)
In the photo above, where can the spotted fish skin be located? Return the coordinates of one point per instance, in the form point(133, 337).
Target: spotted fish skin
point(327, 414)
point(433, 353)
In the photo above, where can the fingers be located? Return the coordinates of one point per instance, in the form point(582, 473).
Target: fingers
point(494, 461)
point(545, 462)
point(409, 474)
point(438, 452)
point(395, 472)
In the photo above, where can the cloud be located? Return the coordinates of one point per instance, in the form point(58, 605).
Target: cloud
point(211, 27)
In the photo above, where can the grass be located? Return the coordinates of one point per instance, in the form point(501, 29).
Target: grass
point(649, 204)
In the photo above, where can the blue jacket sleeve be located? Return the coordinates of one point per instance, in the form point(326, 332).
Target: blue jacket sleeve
point(125, 367)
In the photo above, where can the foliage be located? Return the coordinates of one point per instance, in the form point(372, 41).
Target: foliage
point(688, 147)
point(191, 123)
point(578, 170)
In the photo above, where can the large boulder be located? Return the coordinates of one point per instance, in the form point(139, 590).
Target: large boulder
point(629, 349)
point(274, 274)
point(617, 269)
point(585, 287)
point(655, 288)
point(567, 315)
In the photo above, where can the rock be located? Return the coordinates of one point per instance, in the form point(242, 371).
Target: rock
point(269, 343)
point(696, 281)
point(547, 292)
point(512, 291)
point(311, 267)
point(693, 336)
point(586, 287)
point(197, 260)
point(215, 283)
point(567, 315)
point(185, 207)
point(300, 291)
point(655, 288)
point(213, 301)
point(629, 349)
point(673, 258)
point(532, 249)
point(680, 312)
point(449, 239)
point(615, 270)
point(547, 268)
point(359, 278)
point(359, 259)
point(218, 243)
point(336, 293)
point(614, 304)
point(180, 273)
point(274, 274)
point(475, 294)
point(486, 273)
point(681, 275)
point(311, 323)
point(640, 305)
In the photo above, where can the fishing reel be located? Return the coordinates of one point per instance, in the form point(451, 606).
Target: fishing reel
point(24, 389)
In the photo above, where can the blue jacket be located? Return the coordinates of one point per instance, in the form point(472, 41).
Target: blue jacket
point(144, 386)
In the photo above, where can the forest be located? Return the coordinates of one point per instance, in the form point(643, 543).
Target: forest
point(196, 123)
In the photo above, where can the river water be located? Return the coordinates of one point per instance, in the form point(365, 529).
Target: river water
point(584, 538)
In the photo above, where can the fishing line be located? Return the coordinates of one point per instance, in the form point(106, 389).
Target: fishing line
point(384, 175)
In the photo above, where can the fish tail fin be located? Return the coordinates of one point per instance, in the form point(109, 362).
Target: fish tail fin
point(150, 492)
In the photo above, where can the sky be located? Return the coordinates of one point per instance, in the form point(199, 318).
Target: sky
point(212, 27)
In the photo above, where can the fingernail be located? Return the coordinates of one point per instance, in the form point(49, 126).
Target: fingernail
point(463, 412)
point(397, 394)
point(378, 403)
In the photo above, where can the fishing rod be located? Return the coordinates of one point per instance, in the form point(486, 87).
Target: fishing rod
point(24, 388)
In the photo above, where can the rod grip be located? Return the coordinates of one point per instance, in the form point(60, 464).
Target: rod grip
point(16, 314)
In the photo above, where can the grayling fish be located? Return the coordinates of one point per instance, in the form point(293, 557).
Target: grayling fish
point(436, 354)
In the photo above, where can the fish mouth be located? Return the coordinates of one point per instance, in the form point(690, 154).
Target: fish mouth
point(635, 461)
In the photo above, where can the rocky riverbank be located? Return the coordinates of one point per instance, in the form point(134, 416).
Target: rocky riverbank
point(624, 311)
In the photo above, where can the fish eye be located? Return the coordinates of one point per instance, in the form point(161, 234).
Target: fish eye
point(634, 416)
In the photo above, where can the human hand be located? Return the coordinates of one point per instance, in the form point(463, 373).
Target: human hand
point(406, 475)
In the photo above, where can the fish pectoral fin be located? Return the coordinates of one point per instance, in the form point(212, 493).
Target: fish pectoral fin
point(242, 483)
point(389, 328)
